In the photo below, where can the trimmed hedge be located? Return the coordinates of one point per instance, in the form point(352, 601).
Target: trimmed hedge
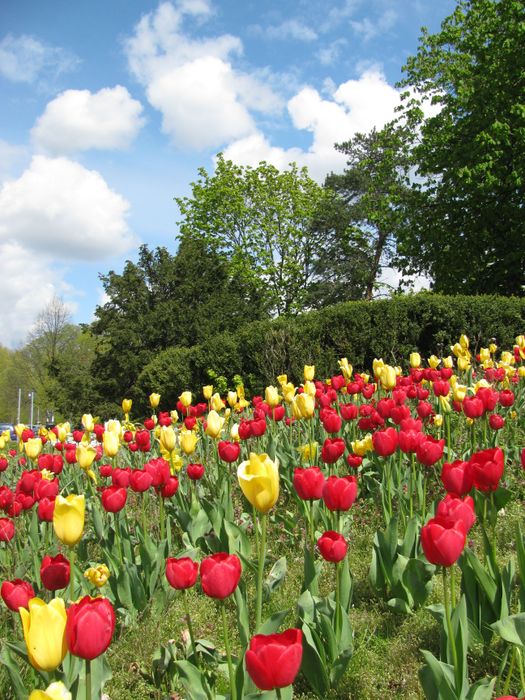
point(361, 331)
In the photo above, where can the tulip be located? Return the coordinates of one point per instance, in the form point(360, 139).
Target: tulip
point(90, 626)
point(55, 572)
point(154, 400)
point(126, 406)
point(195, 471)
point(429, 451)
point(309, 373)
point(207, 391)
point(97, 575)
point(220, 575)
point(346, 368)
point(85, 455)
point(308, 483)
point(229, 451)
point(273, 660)
point(16, 594)
point(114, 498)
point(185, 398)
point(68, 518)
point(454, 508)
point(387, 377)
point(88, 422)
point(182, 572)
point(303, 406)
point(457, 477)
point(55, 691)
point(140, 480)
point(44, 626)
point(259, 480)
point(487, 469)
point(332, 449)
point(214, 424)
point(33, 447)
point(7, 530)
point(415, 360)
point(111, 442)
point(188, 441)
point(333, 546)
point(339, 493)
point(443, 540)
point(385, 442)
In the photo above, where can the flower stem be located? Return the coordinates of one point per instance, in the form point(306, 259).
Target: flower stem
point(190, 628)
point(88, 679)
point(72, 574)
point(233, 689)
point(451, 631)
point(260, 572)
point(511, 671)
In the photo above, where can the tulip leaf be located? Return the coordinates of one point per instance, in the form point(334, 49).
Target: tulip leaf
point(312, 665)
point(15, 676)
point(512, 629)
point(399, 605)
point(346, 585)
point(437, 679)
point(276, 577)
point(192, 680)
point(481, 690)
point(98, 524)
point(272, 624)
point(311, 572)
point(243, 618)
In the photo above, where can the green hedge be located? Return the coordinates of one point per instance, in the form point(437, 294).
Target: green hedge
point(361, 331)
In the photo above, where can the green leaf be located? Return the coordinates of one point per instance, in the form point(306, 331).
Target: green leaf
point(276, 576)
point(272, 624)
point(192, 680)
point(511, 629)
point(15, 676)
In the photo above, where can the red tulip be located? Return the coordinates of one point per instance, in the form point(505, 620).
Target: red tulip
point(46, 489)
point(6, 497)
point(55, 572)
point(16, 594)
point(473, 407)
point(424, 409)
point(443, 540)
point(273, 660)
point(506, 397)
point(229, 451)
point(457, 477)
point(220, 574)
point(89, 627)
point(195, 471)
point(308, 483)
point(385, 442)
point(140, 480)
point(333, 546)
point(46, 508)
point(455, 508)
point(496, 421)
point(182, 572)
point(429, 451)
point(339, 493)
point(3, 464)
point(170, 488)
point(348, 411)
point(354, 461)
point(332, 422)
point(120, 477)
point(7, 529)
point(487, 468)
point(114, 498)
point(332, 449)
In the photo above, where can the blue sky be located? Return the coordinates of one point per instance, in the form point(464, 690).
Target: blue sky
point(109, 108)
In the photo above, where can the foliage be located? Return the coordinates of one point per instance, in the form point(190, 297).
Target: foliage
point(468, 221)
point(358, 330)
point(260, 221)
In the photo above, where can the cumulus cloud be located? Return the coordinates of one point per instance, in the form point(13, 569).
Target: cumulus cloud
point(204, 101)
point(368, 29)
point(356, 106)
point(77, 120)
point(24, 58)
point(27, 284)
point(289, 29)
point(59, 207)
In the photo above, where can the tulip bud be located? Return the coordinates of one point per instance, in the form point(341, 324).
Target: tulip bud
point(154, 400)
point(68, 518)
point(259, 480)
point(44, 626)
point(88, 422)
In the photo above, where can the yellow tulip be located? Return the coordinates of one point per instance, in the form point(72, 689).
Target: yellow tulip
point(19, 429)
point(463, 364)
point(521, 371)
point(448, 362)
point(44, 626)
point(231, 398)
point(68, 518)
point(88, 422)
point(282, 379)
point(214, 424)
point(154, 400)
point(305, 405)
point(97, 575)
point(507, 358)
point(438, 418)
point(484, 355)
point(216, 402)
point(126, 406)
point(85, 455)
point(444, 404)
point(309, 388)
point(63, 431)
point(459, 392)
point(288, 391)
point(433, 361)
point(493, 347)
point(174, 416)
point(415, 360)
point(240, 391)
point(55, 691)
point(387, 377)
point(308, 451)
point(234, 432)
point(377, 366)
point(360, 447)
point(113, 426)
point(33, 447)
point(185, 398)
point(271, 395)
point(207, 391)
point(259, 480)
point(188, 441)
point(464, 342)
point(111, 443)
point(346, 368)
point(167, 438)
point(309, 373)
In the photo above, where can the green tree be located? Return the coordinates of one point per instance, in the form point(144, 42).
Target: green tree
point(468, 225)
point(260, 221)
point(162, 301)
point(369, 212)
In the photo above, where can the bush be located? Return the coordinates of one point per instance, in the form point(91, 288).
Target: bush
point(361, 331)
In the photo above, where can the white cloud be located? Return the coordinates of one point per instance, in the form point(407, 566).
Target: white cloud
point(60, 208)
point(78, 120)
point(11, 157)
point(27, 284)
point(357, 106)
point(329, 54)
point(289, 29)
point(24, 58)
point(203, 99)
point(368, 29)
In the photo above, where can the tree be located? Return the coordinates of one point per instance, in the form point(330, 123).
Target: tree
point(259, 220)
point(162, 301)
point(372, 194)
point(468, 228)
